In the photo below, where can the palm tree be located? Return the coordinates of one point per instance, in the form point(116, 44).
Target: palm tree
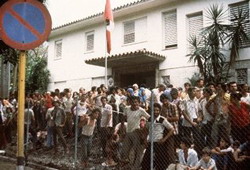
point(215, 35)
point(208, 52)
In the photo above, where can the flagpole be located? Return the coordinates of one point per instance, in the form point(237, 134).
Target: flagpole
point(106, 60)
point(108, 16)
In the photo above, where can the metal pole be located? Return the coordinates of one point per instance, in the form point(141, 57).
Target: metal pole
point(106, 59)
point(151, 132)
point(20, 116)
point(76, 134)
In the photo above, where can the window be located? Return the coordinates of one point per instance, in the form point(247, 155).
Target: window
point(90, 41)
point(170, 29)
point(166, 79)
point(194, 28)
point(241, 75)
point(58, 49)
point(195, 24)
point(129, 32)
point(135, 31)
point(235, 9)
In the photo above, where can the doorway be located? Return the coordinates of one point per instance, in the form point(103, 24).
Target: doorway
point(147, 78)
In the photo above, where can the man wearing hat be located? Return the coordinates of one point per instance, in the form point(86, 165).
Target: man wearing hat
point(59, 118)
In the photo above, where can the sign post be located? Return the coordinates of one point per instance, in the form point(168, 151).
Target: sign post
point(20, 115)
point(24, 25)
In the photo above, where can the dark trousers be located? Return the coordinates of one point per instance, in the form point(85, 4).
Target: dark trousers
point(32, 132)
point(206, 139)
point(3, 141)
point(160, 158)
point(68, 124)
point(195, 132)
point(105, 133)
point(240, 133)
point(57, 131)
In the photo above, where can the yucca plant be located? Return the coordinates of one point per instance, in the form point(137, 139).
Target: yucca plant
point(237, 34)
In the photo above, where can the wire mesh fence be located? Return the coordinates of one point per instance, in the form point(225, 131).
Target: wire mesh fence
point(167, 129)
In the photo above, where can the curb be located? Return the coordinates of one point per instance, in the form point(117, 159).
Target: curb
point(30, 164)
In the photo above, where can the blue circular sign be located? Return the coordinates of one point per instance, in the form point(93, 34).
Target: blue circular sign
point(24, 24)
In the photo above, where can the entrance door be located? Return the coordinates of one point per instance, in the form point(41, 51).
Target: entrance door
point(147, 78)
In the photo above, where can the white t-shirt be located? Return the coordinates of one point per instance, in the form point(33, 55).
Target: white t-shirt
point(159, 128)
point(246, 99)
point(191, 109)
point(28, 114)
point(206, 116)
point(204, 165)
point(81, 109)
point(192, 158)
point(156, 95)
point(106, 111)
point(134, 117)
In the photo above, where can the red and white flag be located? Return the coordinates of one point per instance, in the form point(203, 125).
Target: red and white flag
point(108, 16)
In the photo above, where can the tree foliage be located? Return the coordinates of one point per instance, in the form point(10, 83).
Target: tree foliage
point(209, 51)
point(37, 74)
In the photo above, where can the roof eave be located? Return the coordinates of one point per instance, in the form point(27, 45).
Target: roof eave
point(98, 18)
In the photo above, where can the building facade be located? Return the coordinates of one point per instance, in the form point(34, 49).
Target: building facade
point(149, 45)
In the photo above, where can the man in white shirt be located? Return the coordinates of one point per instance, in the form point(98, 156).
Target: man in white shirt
point(159, 138)
point(206, 124)
point(187, 157)
point(156, 93)
point(190, 122)
point(133, 113)
point(106, 123)
point(68, 104)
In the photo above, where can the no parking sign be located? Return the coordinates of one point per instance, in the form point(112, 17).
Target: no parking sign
point(24, 24)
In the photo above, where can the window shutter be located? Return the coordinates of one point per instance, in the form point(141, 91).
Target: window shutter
point(234, 10)
point(170, 21)
point(195, 24)
point(129, 32)
point(90, 42)
point(58, 48)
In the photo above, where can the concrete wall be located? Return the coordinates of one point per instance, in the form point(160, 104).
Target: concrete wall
point(73, 71)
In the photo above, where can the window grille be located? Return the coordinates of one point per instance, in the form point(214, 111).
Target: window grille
point(129, 32)
point(241, 75)
point(58, 49)
point(90, 41)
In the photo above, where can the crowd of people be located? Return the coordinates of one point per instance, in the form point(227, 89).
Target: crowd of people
point(208, 122)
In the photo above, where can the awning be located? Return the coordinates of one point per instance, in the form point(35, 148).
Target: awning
point(128, 58)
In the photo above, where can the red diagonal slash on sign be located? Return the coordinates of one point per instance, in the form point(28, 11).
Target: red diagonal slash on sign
point(26, 24)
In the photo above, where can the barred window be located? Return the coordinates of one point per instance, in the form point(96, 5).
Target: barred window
point(90, 41)
point(170, 28)
point(58, 49)
point(234, 11)
point(129, 32)
point(166, 79)
point(241, 75)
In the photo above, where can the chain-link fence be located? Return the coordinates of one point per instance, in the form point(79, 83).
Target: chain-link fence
point(196, 129)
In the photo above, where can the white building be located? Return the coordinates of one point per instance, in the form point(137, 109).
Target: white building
point(149, 45)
